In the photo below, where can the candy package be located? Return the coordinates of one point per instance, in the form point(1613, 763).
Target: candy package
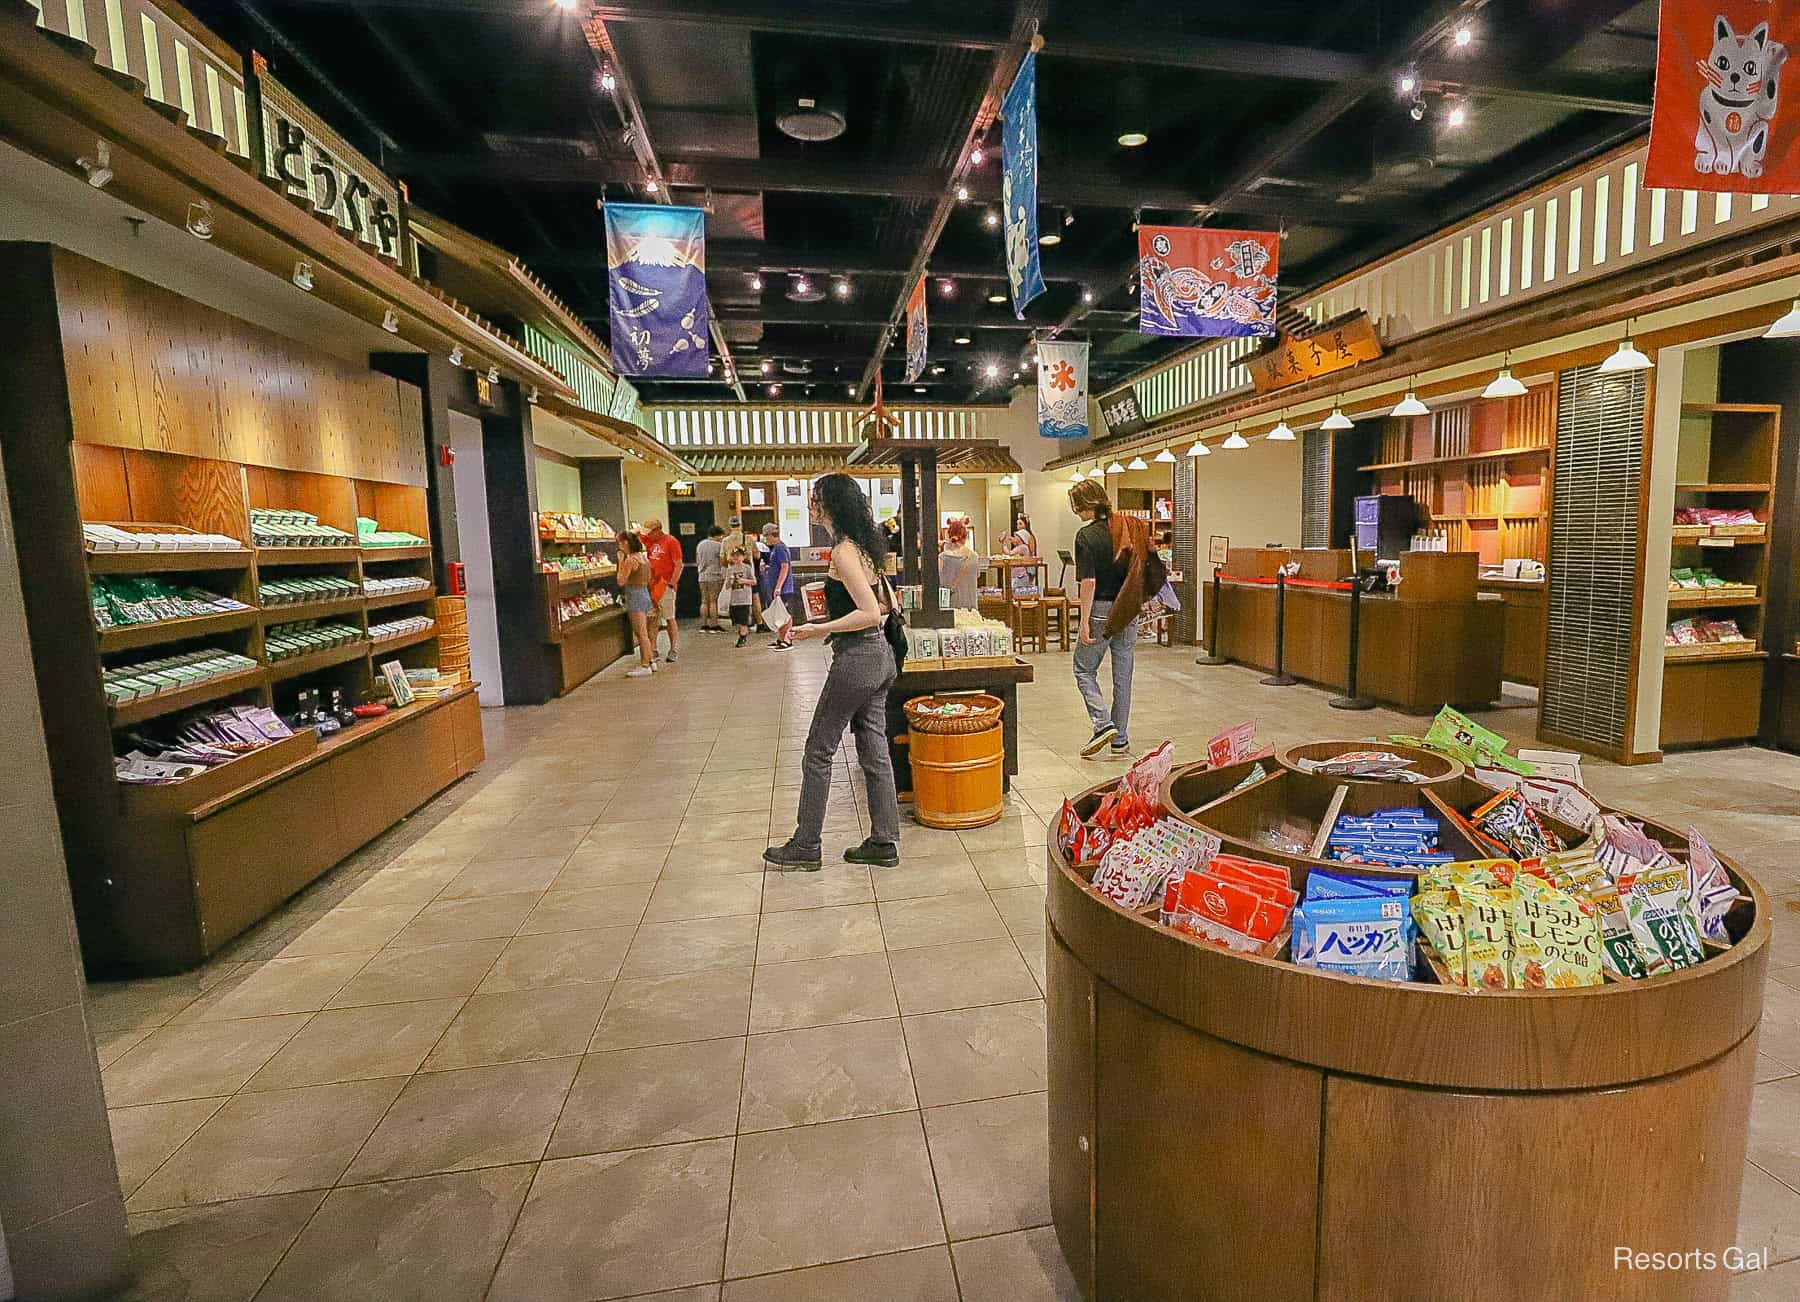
point(1672, 926)
point(1234, 744)
point(1324, 885)
point(1556, 943)
point(1439, 918)
point(1068, 828)
point(1487, 935)
point(1226, 913)
point(1509, 819)
point(1710, 889)
point(1370, 936)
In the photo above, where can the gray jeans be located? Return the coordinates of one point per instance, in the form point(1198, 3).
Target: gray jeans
point(854, 696)
point(1123, 646)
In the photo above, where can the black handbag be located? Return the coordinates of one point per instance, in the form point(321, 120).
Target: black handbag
point(893, 628)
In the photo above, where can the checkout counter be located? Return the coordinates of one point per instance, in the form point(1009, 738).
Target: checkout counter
point(1435, 640)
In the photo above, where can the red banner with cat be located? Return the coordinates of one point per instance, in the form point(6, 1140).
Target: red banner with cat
point(1719, 123)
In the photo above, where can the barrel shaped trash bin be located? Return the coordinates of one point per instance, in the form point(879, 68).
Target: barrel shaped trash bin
point(957, 777)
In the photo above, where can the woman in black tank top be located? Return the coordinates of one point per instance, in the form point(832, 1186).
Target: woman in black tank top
point(855, 692)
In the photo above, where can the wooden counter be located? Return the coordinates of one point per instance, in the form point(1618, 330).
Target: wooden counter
point(1002, 681)
point(1522, 638)
point(1222, 1124)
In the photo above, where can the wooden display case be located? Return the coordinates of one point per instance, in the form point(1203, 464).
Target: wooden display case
point(580, 647)
point(1332, 1101)
point(1712, 692)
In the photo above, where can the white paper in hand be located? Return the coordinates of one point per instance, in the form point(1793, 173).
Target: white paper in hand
point(775, 616)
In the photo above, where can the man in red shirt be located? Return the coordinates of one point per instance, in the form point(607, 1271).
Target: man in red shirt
point(664, 551)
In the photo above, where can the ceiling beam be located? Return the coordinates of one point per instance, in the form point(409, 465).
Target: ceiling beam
point(1088, 190)
point(774, 260)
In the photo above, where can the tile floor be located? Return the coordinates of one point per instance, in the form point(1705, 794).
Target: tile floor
point(558, 1037)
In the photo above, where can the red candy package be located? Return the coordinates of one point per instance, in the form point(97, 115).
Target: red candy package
point(1226, 913)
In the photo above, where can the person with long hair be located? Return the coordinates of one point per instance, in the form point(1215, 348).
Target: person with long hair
point(634, 595)
point(857, 600)
point(1109, 571)
point(959, 567)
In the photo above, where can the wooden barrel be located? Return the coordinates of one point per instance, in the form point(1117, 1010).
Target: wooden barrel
point(957, 778)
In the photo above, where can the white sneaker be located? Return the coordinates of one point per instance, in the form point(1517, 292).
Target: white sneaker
point(642, 671)
point(671, 657)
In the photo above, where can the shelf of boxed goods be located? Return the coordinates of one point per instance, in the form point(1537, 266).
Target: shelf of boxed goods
point(167, 562)
point(186, 698)
point(299, 666)
point(420, 552)
point(383, 645)
point(386, 599)
point(1360, 1086)
point(125, 637)
point(581, 578)
point(1688, 599)
point(296, 611)
point(566, 628)
point(274, 556)
point(1499, 454)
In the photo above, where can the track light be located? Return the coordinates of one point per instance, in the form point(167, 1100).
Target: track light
point(1411, 406)
point(768, 367)
point(1199, 450)
point(1234, 441)
point(937, 370)
point(200, 220)
point(493, 375)
point(1409, 82)
point(1464, 35)
point(99, 167)
point(532, 395)
point(947, 287)
point(975, 156)
point(1787, 326)
point(841, 287)
point(1281, 433)
point(1628, 358)
point(1068, 217)
point(1505, 386)
point(456, 355)
point(1137, 463)
point(1458, 115)
point(1087, 295)
point(990, 219)
point(651, 186)
point(850, 389)
point(608, 81)
point(1337, 420)
point(303, 275)
point(756, 283)
point(774, 390)
point(1417, 111)
point(962, 194)
point(991, 370)
point(1165, 456)
point(390, 322)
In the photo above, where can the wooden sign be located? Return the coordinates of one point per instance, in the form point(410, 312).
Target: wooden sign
point(1338, 348)
point(484, 389)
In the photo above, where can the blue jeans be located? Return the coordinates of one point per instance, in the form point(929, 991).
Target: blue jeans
point(1123, 646)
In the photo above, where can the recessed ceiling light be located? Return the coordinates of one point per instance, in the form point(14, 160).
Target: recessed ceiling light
point(990, 219)
point(918, 388)
point(975, 156)
point(841, 288)
point(947, 287)
point(767, 366)
point(1458, 116)
point(1049, 238)
point(1132, 139)
point(991, 370)
point(1463, 36)
point(964, 339)
point(756, 283)
point(1409, 82)
point(962, 194)
point(996, 297)
point(937, 370)
point(1087, 296)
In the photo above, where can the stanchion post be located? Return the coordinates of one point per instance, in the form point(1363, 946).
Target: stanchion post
point(1352, 699)
point(1212, 656)
point(1280, 678)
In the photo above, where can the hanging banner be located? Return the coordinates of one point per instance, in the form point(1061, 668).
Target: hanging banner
point(1062, 389)
point(1019, 187)
point(1193, 281)
point(915, 332)
point(1718, 79)
point(656, 281)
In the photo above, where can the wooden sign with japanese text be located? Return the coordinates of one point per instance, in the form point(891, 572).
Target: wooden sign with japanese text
point(1336, 348)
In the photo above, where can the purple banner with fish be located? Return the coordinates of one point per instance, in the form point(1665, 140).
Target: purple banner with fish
point(656, 281)
point(1206, 282)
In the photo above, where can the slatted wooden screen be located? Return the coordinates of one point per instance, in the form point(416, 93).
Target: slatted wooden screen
point(1185, 549)
point(1315, 489)
point(1594, 539)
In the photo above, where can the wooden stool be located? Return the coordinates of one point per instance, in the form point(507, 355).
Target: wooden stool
point(1030, 632)
point(1058, 614)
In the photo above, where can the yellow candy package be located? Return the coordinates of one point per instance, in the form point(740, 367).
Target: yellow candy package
point(1556, 943)
point(1439, 915)
point(1487, 935)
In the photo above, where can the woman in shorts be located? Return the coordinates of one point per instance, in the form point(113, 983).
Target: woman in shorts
point(634, 595)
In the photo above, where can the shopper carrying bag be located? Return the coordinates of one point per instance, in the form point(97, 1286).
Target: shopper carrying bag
point(859, 626)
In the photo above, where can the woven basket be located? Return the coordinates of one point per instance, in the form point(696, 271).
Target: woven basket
point(987, 714)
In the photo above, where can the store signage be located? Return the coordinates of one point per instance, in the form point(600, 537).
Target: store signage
point(1122, 413)
point(1218, 549)
point(916, 331)
point(795, 520)
point(1215, 284)
point(1293, 361)
point(1019, 186)
point(1062, 389)
point(1717, 122)
point(656, 287)
point(310, 160)
point(484, 390)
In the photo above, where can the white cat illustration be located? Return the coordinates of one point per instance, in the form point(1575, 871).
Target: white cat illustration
point(1737, 108)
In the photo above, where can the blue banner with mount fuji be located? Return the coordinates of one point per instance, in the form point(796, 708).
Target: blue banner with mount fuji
point(656, 286)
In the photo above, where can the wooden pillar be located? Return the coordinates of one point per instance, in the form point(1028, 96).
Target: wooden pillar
point(509, 465)
point(931, 613)
point(909, 522)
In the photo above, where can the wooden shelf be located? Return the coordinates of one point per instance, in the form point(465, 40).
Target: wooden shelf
point(1494, 515)
point(417, 552)
point(164, 631)
point(281, 670)
point(266, 556)
point(1727, 408)
point(1687, 598)
point(167, 562)
point(214, 689)
point(588, 620)
point(296, 612)
point(403, 641)
point(1681, 656)
point(387, 599)
point(577, 542)
point(1724, 488)
point(1501, 454)
point(566, 580)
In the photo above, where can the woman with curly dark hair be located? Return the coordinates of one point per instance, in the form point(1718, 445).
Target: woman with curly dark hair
point(857, 600)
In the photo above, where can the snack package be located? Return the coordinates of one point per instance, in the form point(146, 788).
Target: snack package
point(1509, 819)
point(1225, 913)
point(1146, 776)
point(1487, 935)
point(1439, 917)
point(1637, 917)
point(1068, 827)
point(1664, 891)
point(1234, 744)
point(1710, 890)
point(1556, 944)
point(1371, 936)
point(1620, 952)
point(1324, 885)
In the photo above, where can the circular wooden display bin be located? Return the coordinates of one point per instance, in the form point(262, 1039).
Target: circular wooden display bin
point(959, 775)
point(1225, 1125)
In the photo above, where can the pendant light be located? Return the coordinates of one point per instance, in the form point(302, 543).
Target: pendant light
point(1199, 450)
point(1281, 433)
point(1166, 457)
point(956, 481)
point(1096, 472)
point(1138, 463)
point(1504, 385)
point(1788, 326)
point(1115, 469)
point(1337, 420)
point(1411, 406)
point(1627, 358)
point(1234, 441)
point(734, 487)
point(1075, 475)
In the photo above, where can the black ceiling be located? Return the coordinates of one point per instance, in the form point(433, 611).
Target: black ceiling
point(1260, 113)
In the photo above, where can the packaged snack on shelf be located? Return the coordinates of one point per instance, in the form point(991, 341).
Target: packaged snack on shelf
point(1238, 913)
point(1438, 914)
point(1710, 889)
point(1234, 744)
point(1683, 632)
point(1454, 734)
point(1556, 942)
point(1367, 935)
point(1136, 868)
point(1487, 934)
point(1376, 765)
point(1509, 819)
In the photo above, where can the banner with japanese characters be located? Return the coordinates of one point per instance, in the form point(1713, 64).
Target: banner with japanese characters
point(1019, 186)
point(916, 350)
point(1062, 389)
point(656, 281)
point(1195, 281)
point(1717, 122)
